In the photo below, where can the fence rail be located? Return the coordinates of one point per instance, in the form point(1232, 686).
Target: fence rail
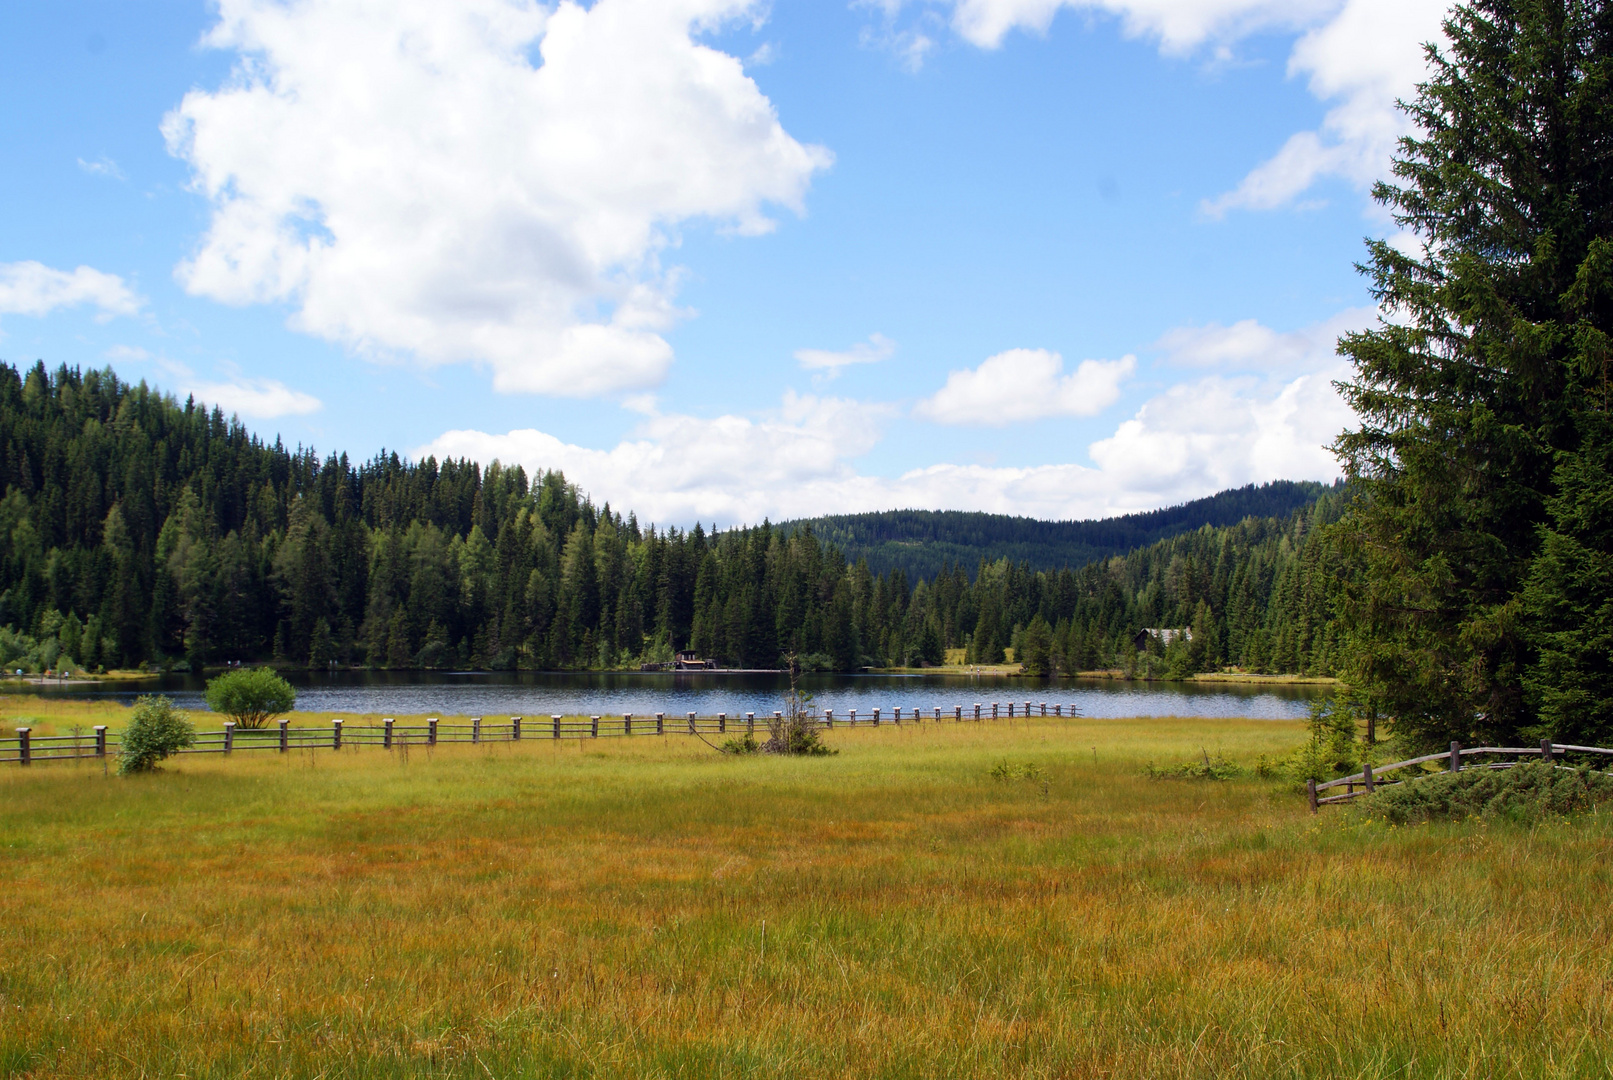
point(27, 748)
point(1369, 779)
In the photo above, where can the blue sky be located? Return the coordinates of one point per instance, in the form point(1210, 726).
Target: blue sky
point(720, 259)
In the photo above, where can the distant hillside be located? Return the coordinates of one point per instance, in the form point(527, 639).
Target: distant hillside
point(920, 542)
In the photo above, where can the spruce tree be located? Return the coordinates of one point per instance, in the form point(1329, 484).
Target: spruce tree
point(1469, 388)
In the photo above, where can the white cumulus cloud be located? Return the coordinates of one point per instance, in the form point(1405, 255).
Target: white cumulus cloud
point(1359, 56)
point(682, 469)
point(878, 347)
point(263, 399)
point(487, 181)
point(1250, 345)
point(1025, 384)
point(1267, 411)
point(32, 288)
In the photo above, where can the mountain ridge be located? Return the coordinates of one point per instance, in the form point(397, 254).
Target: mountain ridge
point(922, 543)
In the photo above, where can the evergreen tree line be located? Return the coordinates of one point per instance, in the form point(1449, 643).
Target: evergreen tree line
point(134, 529)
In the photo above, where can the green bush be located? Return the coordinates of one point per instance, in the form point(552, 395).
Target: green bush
point(1203, 767)
point(156, 730)
point(250, 696)
point(1524, 792)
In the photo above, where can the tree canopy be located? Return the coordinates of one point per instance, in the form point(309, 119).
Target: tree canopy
point(1486, 379)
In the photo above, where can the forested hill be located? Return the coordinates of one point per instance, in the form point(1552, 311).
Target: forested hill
point(135, 529)
point(922, 542)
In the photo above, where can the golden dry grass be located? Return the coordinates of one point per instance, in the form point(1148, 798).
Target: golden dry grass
point(598, 909)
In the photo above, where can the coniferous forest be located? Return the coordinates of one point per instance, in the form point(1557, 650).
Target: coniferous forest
point(137, 530)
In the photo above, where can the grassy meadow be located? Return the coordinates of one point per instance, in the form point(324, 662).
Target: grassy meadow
point(647, 908)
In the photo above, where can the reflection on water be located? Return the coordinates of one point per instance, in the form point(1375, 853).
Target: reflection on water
point(540, 694)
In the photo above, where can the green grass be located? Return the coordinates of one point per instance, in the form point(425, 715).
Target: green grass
point(597, 909)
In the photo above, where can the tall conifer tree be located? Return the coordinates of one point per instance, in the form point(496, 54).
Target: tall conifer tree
point(1470, 387)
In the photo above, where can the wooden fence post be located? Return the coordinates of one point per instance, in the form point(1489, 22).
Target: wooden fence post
point(1056, 709)
point(750, 725)
point(851, 718)
point(475, 729)
point(284, 740)
point(994, 710)
point(896, 714)
point(1311, 786)
point(722, 723)
point(691, 724)
point(977, 710)
point(24, 753)
point(431, 731)
point(828, 718)
point(335, 734)
point(627, 723)
point(593, 732)
point(1456, 757)
point(386, 734)
point(1366, 776)
point(1546, 751)
point(100, 740)
point(556, 720)
point(229, 736)
point(660, 723)
point(876, 717)
point(515, 729)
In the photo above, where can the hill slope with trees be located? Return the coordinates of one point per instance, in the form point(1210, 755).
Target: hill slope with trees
point(922, 542)
point(135, 529)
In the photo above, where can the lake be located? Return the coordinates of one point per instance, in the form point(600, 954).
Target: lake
point(645, 694)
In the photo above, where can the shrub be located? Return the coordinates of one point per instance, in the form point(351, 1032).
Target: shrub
point(795, 730)
point(1203, 767)
point(1005, 771)
point(1524, 792)
point(155, 731)
point(250, 696)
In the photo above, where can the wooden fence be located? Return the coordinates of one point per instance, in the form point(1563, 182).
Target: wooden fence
point(1369, 779)
point(27, 748)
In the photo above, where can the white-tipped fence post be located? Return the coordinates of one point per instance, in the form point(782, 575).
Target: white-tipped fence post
point(828, 718)
point(660, 723)
point(722, 723)
point(938, 714)
point(386, 733)
point(515, 729)
point(994, 710)
point(691, 724)
point(750, 725)
point(229, 736)
point(593, 731)
point(876, 717)
point(851, 717)
point(335, 734)
point(556, 721)
point(100, 740)
point(284, 740)
point(24, 751)
point(1056, 709)
point(977, 710)
point(476, 729)
point(431, 731)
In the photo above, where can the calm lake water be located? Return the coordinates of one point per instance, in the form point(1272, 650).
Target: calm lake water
point(541, 694)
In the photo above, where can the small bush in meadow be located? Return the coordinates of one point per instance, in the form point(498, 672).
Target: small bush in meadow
point(250, 696)
point(1203, 767)
point(1006, 771)
point(156, 730)
point(1526, 792)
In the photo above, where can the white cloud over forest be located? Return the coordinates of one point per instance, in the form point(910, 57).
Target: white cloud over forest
point(485, 181)
point(259, 399)
point(1263, 408)
point(1025, 384)
point(32, 288)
